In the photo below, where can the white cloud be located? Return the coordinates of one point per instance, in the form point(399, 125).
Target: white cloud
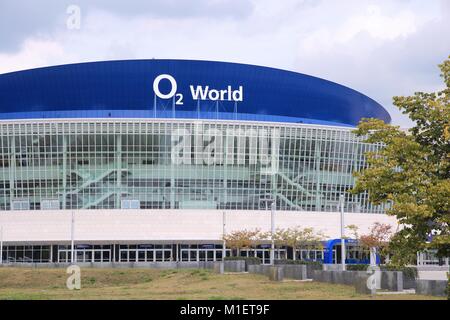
point(33, 53)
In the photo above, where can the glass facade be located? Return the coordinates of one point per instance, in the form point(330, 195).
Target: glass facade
point(26, 254)
point(178, 164)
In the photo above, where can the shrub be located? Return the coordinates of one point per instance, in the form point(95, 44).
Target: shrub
point(248, 260)
point(290, 261)
point(408, 272)
point(356, 267)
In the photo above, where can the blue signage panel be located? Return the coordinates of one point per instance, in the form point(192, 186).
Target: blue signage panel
point(181, 89)
point(207, 246)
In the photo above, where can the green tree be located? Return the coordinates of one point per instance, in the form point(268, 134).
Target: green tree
point(411, 171)
point(378, 238)
point(298, 237)
point(243, 239)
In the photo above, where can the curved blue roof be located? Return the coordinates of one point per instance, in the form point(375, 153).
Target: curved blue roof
point(124, 89)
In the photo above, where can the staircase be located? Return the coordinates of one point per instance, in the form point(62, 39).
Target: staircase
point(89, 179)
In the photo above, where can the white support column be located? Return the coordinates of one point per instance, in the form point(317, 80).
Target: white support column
point(272, 232)
point(12, 170)
point(317, 175)
point(64, 172)
point(224, 245)
point(168, 147)
point(72, 239)
point(1, 244)
point(274, 150)
point(225, 165)
point(343, 254)
point(119, 170)
point(172, 185)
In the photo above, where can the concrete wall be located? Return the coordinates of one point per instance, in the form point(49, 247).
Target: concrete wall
point(234, 266)
point(120, 226)
point(126, 265)
point(409, 282)
point(389, 280)
point(392, 280)
point(331, 267)
point(260, 269)
point(432, 287)
point(297, 272)
point(228, 266)
point(310, 270)
point(294, 271)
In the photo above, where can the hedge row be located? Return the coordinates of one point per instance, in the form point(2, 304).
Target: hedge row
point(410, 272)
point(256, 260)
point(248, 260)
point(289, 261)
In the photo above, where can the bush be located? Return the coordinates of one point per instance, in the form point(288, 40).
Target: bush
point(356, 267)
point(248, 260)
point(408, 272)
point(290, 261)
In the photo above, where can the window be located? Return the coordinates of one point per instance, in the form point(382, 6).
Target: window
point(50, 204)
point(20, 205)
point(130, 204)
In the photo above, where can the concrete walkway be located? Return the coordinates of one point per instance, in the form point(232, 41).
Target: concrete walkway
point(406, 291)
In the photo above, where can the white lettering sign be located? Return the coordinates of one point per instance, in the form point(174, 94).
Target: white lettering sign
point(197, 92)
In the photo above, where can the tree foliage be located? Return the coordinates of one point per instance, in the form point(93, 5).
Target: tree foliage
point(411, 171)
point(353, 228)
point(241, 239)
point(379, 236)
point(297, 237)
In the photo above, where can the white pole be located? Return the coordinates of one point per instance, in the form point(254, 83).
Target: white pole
point(72, 231)
point(224, 245)
point(1, 244)
point(341, 202)
point(272, 231)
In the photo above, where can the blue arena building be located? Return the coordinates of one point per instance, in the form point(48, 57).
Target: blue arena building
point(149, 156)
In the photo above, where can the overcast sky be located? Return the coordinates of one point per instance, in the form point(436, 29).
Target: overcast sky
point(381, 48)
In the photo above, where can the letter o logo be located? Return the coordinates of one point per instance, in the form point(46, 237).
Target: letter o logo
point(173, 84)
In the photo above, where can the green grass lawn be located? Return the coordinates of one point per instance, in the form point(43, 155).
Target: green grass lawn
point(27, 283)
